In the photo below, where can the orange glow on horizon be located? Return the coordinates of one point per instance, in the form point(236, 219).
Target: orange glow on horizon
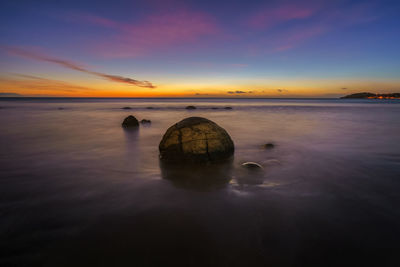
point(37, 86)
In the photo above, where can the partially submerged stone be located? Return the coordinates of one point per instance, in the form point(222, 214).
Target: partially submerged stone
point(268, 146)
point(252, 165)
point(190, 107)
point(196, 139)
point(126, 108)
point(144, 121)
point(228, 108)
point(130, 122)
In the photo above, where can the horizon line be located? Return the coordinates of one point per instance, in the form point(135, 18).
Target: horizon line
point(176, 97)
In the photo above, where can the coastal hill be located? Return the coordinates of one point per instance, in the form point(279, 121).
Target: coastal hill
point(366, 95)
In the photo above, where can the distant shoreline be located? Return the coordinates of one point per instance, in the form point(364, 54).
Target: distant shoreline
point(367, 95)
point(352, 96)
point(232, 98)
point(22, 98)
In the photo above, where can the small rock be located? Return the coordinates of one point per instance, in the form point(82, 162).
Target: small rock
point(144, 121)
point(252, 165)
point(130, 122)
point(190, 107)
point(228, 107)
point(149, 108)
point(60, 108)
point(126, 108)
point(269, 146)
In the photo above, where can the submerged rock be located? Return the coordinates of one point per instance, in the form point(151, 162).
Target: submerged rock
point(149, 108)
point(126, 108)
point(196, 139)
point(252, 165)
point(190, 107)
point(130, 122)
point(144, 121)
point(228, 108)
point(269, 146)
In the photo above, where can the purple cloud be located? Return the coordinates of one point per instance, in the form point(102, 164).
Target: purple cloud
point(74, 66)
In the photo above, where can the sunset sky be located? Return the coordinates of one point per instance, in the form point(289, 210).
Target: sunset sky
point(163, 48)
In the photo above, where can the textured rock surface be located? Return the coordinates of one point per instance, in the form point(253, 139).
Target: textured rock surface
point(196, 139)
point(130, 122)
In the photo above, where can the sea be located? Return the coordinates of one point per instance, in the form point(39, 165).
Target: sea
point(77, 189)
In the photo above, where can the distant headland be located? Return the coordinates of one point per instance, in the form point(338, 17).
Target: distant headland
point(367, 95)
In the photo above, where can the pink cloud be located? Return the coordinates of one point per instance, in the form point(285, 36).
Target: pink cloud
point(185, 29)
point(269, 17)
point(153, 32)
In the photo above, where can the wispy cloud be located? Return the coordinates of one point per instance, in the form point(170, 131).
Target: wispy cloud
point(36, 83)
point(269, 28)
point(240, 92)
point(313, 20)
point(268, 17)
point(282, 90)
point(293, 38)
point(155, 31)
point(74, 66)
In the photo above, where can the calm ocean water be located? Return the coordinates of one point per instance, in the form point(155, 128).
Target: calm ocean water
point(78, 190)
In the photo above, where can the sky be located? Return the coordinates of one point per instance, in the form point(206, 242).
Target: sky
point(171, 48)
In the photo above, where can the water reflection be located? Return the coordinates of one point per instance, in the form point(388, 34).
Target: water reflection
point(132, 148)
point(198, 177)
point(131, 133)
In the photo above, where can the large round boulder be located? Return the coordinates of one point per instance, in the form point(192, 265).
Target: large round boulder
point(196, 139)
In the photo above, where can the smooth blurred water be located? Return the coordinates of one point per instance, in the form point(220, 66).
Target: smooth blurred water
point(78, 190)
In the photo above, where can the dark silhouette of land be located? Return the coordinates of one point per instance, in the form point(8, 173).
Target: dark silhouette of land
point(373, 96)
